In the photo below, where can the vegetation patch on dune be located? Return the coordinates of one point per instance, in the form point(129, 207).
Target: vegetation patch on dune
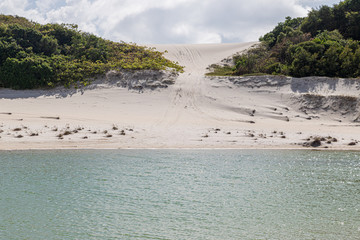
point(35, 55)
point(325, 43)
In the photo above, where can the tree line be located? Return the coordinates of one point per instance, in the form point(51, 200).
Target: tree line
point(325, 43)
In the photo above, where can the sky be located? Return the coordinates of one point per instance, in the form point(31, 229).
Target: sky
point(166, 21)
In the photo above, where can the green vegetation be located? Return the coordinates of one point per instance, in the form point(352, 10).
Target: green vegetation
point(325, 43)
point(35, 55)
point(220, 70)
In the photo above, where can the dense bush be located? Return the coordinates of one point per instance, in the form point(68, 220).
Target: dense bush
point(34, 55)
point(325, 43)
point(344, 17)
point(26, 72)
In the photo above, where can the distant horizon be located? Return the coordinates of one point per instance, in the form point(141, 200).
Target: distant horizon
point(166, 21)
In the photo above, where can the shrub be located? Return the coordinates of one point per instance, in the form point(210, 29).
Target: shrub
point(30, 72)
point(34, 55)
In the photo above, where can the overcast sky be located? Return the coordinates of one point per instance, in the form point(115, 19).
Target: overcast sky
point(166, 21)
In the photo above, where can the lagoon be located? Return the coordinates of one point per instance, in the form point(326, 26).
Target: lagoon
point(179, 194)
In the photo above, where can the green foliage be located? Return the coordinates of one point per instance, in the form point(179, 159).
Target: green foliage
point(48, 45)
point(220, 70)
point(303, 63)
point(26, 73)
point(325, 43)
point(34, 55)
point(328, 54)
point(281, 30)
point(344, 16)
point(8, 20)
point(252, 61)
point(319, 20)
point(64, 33)
point(74, 72)
point(9, 49)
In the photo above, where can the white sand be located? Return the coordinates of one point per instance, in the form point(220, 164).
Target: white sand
point(195, 112)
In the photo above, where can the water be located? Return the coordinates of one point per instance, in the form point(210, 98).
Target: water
point(179, 194)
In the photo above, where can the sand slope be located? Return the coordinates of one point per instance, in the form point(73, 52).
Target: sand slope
point(195, 112)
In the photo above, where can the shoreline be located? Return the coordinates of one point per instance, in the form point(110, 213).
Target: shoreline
point(344, 149)
point(205, 149)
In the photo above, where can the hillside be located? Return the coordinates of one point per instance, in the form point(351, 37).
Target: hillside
point(38, 56)
point(325, 43)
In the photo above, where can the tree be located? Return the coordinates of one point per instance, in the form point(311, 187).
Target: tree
point(348, 63)
point(27, 73)
point(49, 45)
point(329, 64)
point(303, 63)
point(290, 24)
point(8, 49)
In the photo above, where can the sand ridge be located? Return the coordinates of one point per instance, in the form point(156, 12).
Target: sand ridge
point(195, 112)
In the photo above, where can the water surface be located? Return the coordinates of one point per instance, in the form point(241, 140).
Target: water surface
point(179, 194)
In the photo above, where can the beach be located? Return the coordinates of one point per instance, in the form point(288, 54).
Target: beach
point(195, 112)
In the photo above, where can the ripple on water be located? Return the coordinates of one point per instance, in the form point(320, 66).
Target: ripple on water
point(179, 194)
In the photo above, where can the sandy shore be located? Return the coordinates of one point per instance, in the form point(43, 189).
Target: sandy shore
point(195, 112)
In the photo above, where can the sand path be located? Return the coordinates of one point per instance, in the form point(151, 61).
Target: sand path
point(191, 90)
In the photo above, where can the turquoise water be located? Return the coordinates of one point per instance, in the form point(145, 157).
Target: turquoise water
point(179, 194)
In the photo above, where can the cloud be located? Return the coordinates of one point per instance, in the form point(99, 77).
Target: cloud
point(165, 21)
point(18, 7)
point(317, 3)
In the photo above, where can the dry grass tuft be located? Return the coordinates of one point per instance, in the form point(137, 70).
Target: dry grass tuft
point(67, 132)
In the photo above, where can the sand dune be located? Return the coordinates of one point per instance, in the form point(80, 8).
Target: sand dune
point(195, 112)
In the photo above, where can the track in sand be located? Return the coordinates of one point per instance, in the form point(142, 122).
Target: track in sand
point(192, 89)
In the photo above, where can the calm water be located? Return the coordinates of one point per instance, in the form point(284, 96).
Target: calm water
point(179, 194)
